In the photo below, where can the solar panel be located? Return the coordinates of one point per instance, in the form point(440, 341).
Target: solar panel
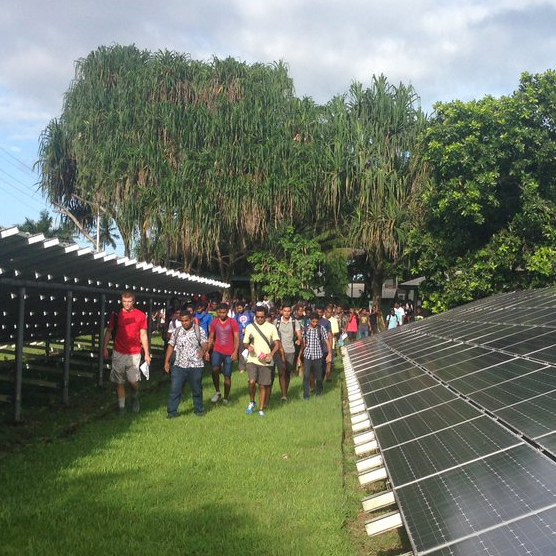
point(463, 408)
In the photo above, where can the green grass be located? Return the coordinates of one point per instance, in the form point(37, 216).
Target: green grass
point(226, 483)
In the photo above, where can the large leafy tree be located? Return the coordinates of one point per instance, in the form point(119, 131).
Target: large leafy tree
point(490, 210)
point(374, 172)
point(195, 161)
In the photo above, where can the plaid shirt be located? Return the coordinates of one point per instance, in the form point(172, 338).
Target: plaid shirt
point(313, 346)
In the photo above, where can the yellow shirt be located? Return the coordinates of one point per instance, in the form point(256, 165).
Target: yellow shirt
point(253, 337)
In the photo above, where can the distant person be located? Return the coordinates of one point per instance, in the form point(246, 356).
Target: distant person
point(244, 317)
point(400, 313)
point(363, 330)
point(187, 346)
point(392, 320)
point(373, 319)
point(202, 317)
point(352, 325)
point(175, 322)
point(129, 328)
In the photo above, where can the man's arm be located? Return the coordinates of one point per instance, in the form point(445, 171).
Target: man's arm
point(277, 346)
point(168, 357)
point(210, 343)
point(107, 338)
point(236, 345)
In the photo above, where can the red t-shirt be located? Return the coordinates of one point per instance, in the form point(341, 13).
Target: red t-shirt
point(224, 335)
point(130, 324)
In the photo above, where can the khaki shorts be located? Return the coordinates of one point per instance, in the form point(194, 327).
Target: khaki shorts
point(260, 374)
point(125, 367)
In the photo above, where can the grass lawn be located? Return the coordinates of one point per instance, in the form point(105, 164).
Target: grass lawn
point(225, 483)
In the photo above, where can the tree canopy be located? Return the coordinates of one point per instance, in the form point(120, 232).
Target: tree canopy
point(203, 162)
point(490, 212)
point(218, 167)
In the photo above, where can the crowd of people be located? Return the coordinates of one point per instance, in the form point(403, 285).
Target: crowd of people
point(266, 341)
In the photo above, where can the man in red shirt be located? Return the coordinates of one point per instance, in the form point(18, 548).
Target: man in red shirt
point(224, 343)
point(131, 336)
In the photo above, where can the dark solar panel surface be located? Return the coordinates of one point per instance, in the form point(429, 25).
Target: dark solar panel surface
point(463, 406)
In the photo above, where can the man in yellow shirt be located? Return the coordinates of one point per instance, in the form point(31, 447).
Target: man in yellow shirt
point(262, 342)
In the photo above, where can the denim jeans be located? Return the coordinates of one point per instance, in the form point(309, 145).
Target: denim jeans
point(313, 366)
point(194, 377)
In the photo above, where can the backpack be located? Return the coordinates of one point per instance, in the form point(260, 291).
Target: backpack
point(277, 324)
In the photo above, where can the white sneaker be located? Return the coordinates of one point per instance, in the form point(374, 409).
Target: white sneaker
point(225, 401)
point(216, 397)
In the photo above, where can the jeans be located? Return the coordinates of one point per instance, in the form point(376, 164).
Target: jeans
point(313, 366)
point(219, 358)
point(363, 332)
point(194, 377)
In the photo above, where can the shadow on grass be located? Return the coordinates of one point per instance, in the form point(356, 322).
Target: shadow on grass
point(87, 519)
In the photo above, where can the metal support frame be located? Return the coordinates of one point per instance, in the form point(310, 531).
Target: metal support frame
point(67, 348)
point(102, 326)
point(19, 354)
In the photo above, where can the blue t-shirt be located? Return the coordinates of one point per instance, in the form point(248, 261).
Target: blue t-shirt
point(243, 319)
point(204, 320)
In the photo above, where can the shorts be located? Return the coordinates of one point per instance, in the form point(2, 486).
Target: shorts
point(260, 374)
point(125, 366)
point(219, 358)
point(289, 367)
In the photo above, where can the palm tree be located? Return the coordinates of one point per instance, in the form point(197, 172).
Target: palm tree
point(375, 171)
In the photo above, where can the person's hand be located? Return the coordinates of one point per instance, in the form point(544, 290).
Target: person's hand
point(167, 367)
point(106, 353)
point(329, 357)
point(148, 358)
point(234, 356)
point(207, 356)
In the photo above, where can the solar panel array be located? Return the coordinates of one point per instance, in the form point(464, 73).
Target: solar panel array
point(463, 407)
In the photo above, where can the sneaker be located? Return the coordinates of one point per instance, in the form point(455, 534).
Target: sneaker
point(121, 411)
point(283, 399)
point(216, 397)
point(261, 413)
point(250, 408)
point(172, 415)
point(200, 414)
point(136, 405)
point(225, 401)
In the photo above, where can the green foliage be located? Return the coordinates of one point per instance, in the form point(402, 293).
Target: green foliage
point(44, 225)
point(195, 161)
point(490, 211)
point(288, 270)
point(374, 171)
point(336, 278)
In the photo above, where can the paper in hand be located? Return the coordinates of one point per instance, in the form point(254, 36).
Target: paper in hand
point(145, 369)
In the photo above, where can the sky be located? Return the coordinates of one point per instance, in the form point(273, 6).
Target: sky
point(446, 49)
